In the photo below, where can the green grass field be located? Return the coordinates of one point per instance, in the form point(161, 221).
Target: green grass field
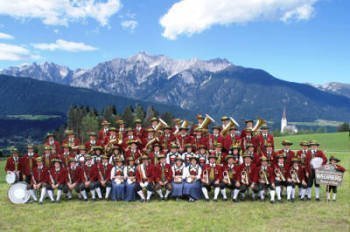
point(184, 216)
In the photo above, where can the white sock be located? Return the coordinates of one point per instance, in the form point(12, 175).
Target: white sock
point(93, 193)
point(149, 194)
point(141, 194)
point(328, 196)
point(334, 196)
point(278, 192)
point(302, 193)
point(167, 193)
point(272, 195)
point(262, 195)
point(289, 192)
point(205, 192)
point(293, 193)
point(83, 193)
point(99, 193)
point(69, 194)
point(317, 192)
point(108, 191)
point(42, 194)
point(50, 193)
point(59, 194)
point(160, 193)
point(235, 193)
point(216, 193)
point(223, 192)
point(309, 192)
point(33, 195)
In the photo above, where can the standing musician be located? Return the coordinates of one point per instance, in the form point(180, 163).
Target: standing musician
point(269, 154)
point(232, 138)
point(93, 141)
point(149, 140)
point(57, 180)
point(111, 139)
point(145, 178)
point(162, 178)
point(167, 138)
point(287, 152)
point(248, 125)
point(295, 177)
point(330, 188)
point(51, 142)
point(130, 180)
point(104, 132)
point(229, 175)
point(47, 157)
point(13, 164)
point(156, 153)
point(246, 178)
point(263, 138)
point(266, 179)
point(66, 155)
point(133, 150)
point(199, 139)
point(280, 170)
point(192, 185)
point(196, 126)
point(314, 152)
point(74, 179)
point(247, 139)
point(27, 163)
point(118, 181)
point(39, 181)
point(104, 175)
point(218, 152)
point(70, 139)
point(139, 131)
point(211, 177)
point(215, 138)
point(89, 178)
point(183, 138)
point(117, 153)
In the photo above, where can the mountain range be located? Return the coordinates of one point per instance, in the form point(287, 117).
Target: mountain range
point(214, 86)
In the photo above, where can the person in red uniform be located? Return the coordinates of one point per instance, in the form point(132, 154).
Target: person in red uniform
point(133, 151)
point(51, 142)
point(66, 155)
point(220, 154)
point(231, 138)
point(302, 153)
point(183, 138)
point(280, 170)
point(148, 141)
point(104, 176)
point(47, 157)
point(295, 178)
point(74, 175)
point(93, 141)
point(246, 178)
point(333, 161)
point(57, 180)
point(139, 131)
point(112, 137)
point(248, 125)
point(145, 179)
point(266, 179)
point(199, 139)
point(70, 139)
point(263, 138)
point(269, 154)
point(13, 164)
point(313, 153)
point(39, 181)
point(251, 151)
point(104, 132)
point(215, 138)
point(287, 152)
point(167, 138)
point(27, 163)
point(211, 177)
point(247, 139)
point(230, 170)
point(89, 178)
point(162, 178)
point(156, 153)
point(200, 119)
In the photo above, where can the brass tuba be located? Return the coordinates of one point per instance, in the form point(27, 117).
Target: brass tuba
point(207, 120)
point(259, 123)
point(161, 124)
point(231, 123)
point(184, 124)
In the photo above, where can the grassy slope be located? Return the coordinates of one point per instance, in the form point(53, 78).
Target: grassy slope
point(176, 216)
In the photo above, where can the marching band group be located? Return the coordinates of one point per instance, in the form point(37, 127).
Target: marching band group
point(126, 164)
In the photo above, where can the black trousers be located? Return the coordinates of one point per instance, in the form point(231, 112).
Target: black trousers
point(312, 179)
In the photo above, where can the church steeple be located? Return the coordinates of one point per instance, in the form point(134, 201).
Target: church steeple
point(284, 122)
point(284, 114)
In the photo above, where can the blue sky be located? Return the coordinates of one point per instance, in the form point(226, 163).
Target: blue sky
point(304, 41)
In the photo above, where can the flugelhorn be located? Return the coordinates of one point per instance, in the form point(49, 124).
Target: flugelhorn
point(207, 120)
point(245, 178)
point(279, 174)
point(263, 175)
point(294, 176)
point(226, 179)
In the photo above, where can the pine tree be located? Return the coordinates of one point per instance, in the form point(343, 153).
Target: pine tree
point(128, 116)
point(139, 112)
point(89, 123)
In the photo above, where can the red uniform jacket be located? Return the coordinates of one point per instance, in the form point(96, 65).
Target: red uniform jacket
point(284, 170)
point(302, 156)
point(139, 132)
point(56, 145)
point(40, 175)
point(65, 158)
point(154, 157)
point(47, 161)
point(310, 156)
point(167, 173)
point(167, 140)
point(200, 141)
point(213, 140)
point(217, 172)
point(59, 177)
point(251, 171)
point(28, 163)
point(12, 165)
point(183, 140)
point(91, 173)
point(232, 171)
point(300, 172)
point(75, 143)
point(75, 175)
point(149, 172)
point(260, 141)
point(102, 134)
point(289, 156)
point(105, 171)
point(246, 140)
point(136, 154)
point(229, 140)
point(88, 144)
point(269, 175)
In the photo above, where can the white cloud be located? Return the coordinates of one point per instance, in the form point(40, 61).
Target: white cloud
point(64, 45)
point(5, 36)
point(10, 52)
point(61, 12)
point(194, 16)
point(129, 24)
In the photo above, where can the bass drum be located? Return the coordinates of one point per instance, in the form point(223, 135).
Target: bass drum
point(18, 193)
point(11, 178)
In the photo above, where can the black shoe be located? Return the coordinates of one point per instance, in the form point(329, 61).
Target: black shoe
point(215, 200)
point(142, 200)
point(308, 199)
point(235, 200)
point(85, 199)
point(207, 199)
point(272, 202)
point(40, 202)
point(225, 199)
point(317, 199)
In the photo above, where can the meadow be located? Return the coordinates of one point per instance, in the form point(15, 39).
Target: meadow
point(184, 216)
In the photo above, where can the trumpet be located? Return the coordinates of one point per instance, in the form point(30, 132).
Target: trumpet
point(263, 175)
point(245, 178)
point(279, 174)
point(226, 179)
point(294, 176)
point(205, 178)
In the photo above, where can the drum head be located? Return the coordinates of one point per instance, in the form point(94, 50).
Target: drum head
point(10, 178)
point(18, 193)
point(316, 162)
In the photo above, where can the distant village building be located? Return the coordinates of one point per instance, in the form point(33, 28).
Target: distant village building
point(285, 128)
